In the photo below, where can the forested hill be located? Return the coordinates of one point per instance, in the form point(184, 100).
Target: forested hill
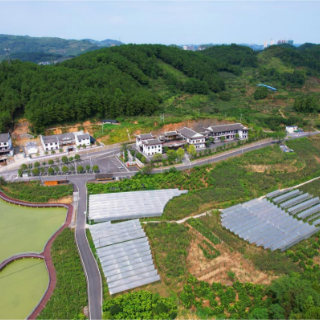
point(111, 82)
point(234, 54)
point(49, 45)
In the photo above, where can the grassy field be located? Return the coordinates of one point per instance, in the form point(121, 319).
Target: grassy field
point(33, 191)
point(23, 283)
point(26, 229)
point(70, 295)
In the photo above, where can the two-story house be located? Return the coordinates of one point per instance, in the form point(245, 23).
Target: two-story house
point(151, 147)
point(229, 131)
point(143, 137)
point(6, 147)
point(193, 137)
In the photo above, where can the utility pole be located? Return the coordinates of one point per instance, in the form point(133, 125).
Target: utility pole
point(162, 117)
point(7, 51)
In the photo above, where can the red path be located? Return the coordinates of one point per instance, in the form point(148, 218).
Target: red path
point(47, 250)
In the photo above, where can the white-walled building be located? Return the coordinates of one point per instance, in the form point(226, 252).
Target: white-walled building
point(6, 147)
point(229, 131)
point(143, 137)
point(82, 139)
point(31, 147)
point(193, 137)
point(55, 142)
point(151, 147)
point(291, 129)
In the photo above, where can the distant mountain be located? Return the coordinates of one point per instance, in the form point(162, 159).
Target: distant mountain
point(48, 45)
point(105, 43)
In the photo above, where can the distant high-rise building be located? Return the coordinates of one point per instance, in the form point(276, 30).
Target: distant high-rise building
point(282, 41)
point(189, 48)
point(265, 44)
point(271, 42)
point(290, 42)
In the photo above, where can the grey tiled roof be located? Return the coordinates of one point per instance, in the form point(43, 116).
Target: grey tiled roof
point(152, 142)
point(50, 139)
point(4, 137)
point(227, 127)
point(83, 136)
point(189, 133)
point(145, 136)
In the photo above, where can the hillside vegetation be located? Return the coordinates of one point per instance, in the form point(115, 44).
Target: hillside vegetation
point(112, 82)
point(143, 80)
point(18, 44)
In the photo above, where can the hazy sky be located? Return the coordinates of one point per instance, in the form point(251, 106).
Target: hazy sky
point(165, 22)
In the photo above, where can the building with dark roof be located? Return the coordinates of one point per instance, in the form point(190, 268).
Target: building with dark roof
point(6, 148)
point(143, 137)
point(55, 142)
point(229, 131)
point(193, 138)
point(151, 147)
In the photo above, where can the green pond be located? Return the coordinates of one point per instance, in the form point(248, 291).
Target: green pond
point(24, 229)
point(23, 283)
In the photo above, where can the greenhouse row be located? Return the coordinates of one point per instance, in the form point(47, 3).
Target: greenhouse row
point(263, 223)
point(124, 254)
point(130, 205)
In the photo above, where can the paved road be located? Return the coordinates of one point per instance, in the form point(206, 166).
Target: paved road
point(94, 284)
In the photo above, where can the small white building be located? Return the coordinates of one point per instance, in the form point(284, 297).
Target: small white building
point(291, 129)
point(83, 139)
point(6, 147)
point(143, 137)
point(32, 148)
point(151, 147)
point(229, 131)
point(193, 137)
point(49, 143)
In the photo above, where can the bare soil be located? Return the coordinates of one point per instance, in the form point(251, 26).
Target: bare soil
point(216, 270)
point(67, 200)
point(274, 167)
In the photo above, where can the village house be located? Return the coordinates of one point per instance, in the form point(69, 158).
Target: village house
point(6, 148)
point(172, 140)
point(193, 138)
point(31, 147)
point(143, 137)
point(229, 131)
point(151, 147)
point(55, 142)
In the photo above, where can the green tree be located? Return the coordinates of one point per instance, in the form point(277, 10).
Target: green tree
point(259, 313)
point(36, 164)
point(50, 171)
point(223, 139)
point(276, 312)
point(260, 93)
point(79, 169)
point(65, 169)
point(56, 169)
point(42, 170)
point(95, 168)
point(77, 157)
point(180, 154)
point(64, 159)
point(23, 167)
point(172, 155)
point(35, 171)
point(157, 157)
point(192, 150)
point(70, 159)
point(50, 162)
point(88, 167)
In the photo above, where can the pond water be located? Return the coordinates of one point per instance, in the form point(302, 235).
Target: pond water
point(23, 283)
point(24, 229)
